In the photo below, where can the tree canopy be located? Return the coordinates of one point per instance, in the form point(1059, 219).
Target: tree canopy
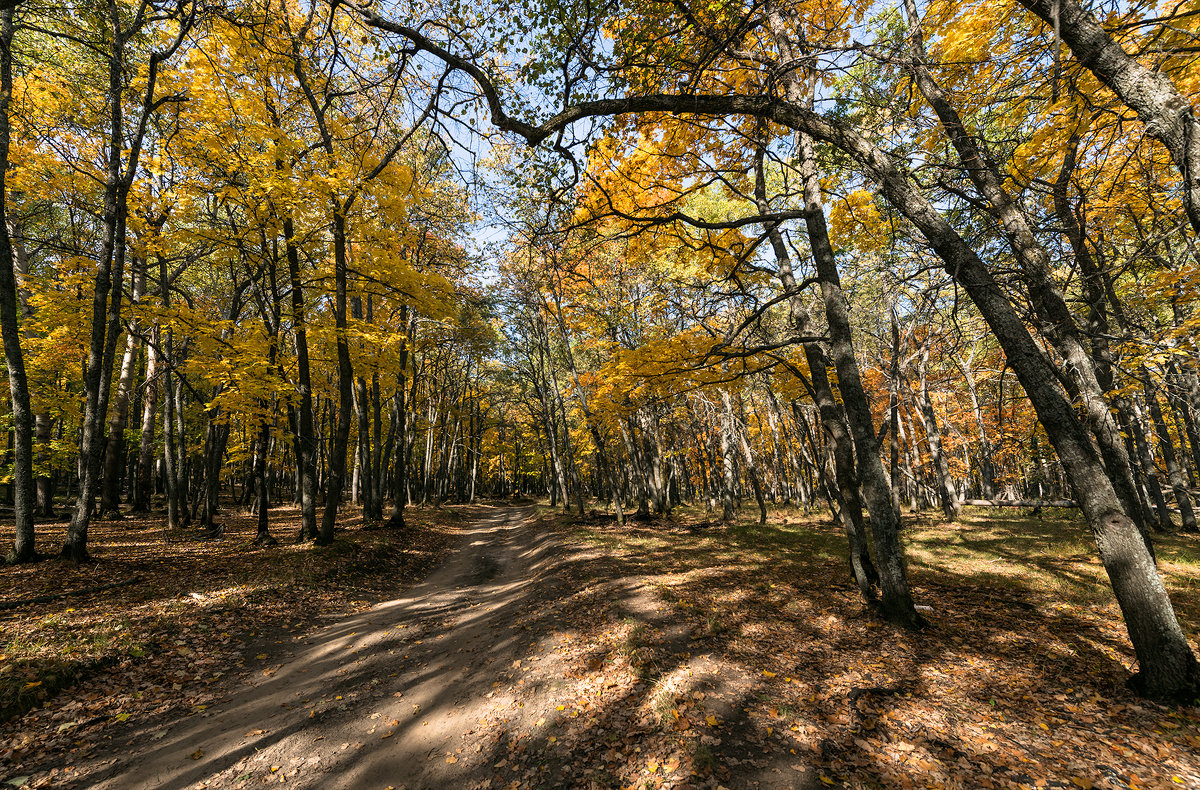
point(871, 257)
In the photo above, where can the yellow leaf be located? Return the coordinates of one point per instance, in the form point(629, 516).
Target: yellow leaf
point(712, 720)
point(196, 755)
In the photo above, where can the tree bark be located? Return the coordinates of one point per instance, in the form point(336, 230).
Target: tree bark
point(400, 475)
point(10, 327)
point(832, 415)
point(1166, 449)
point(123, 151)
point(751, 464)
point(106, 316)
point(337, 459)
point(728, 482)
point(895, 599)
point(305, 437)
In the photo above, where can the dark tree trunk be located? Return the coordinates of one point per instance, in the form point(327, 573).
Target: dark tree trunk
point(1054, 316)
point(847, 492)
point(123, 151)
point(896, 599)
point(337, 460)
point(305, 437)
point(400, 465)
point(10, 327)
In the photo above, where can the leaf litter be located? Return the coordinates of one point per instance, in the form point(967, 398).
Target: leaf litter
point(202, 609)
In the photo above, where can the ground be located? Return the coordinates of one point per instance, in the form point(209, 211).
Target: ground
point(547, 651)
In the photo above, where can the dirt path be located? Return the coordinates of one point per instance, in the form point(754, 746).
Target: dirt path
point(376, 700)
point(462, 682)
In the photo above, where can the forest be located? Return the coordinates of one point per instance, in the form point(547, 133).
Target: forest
point(882, 313)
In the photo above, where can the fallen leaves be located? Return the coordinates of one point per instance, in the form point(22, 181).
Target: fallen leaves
point(159, 645)
point(992, 697)
point(796, 680)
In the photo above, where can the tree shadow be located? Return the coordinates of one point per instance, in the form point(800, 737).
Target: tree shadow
point(655, 656)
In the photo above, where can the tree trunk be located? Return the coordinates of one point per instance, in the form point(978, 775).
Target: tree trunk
point(123, 151)
point(337, 459)
point(1166, 448)
point(1054, 316)
point(144, 489)
point(983, 451)
point(946, 492)
point(896, 599)
point(751, 466)
point(170, 459)
point(400, 476)
point(1149, 471)
point(849, 499)
point(106, 317)
point(10, 327)
point(727, 479)
point(1168, 667)
point(263, 501)
point(305, 436)
point(114, 455)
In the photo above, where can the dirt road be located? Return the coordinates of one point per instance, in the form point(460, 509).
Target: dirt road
point(470, 679)
point(381, 699)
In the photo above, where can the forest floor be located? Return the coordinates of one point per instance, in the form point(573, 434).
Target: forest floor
point(549, 651)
